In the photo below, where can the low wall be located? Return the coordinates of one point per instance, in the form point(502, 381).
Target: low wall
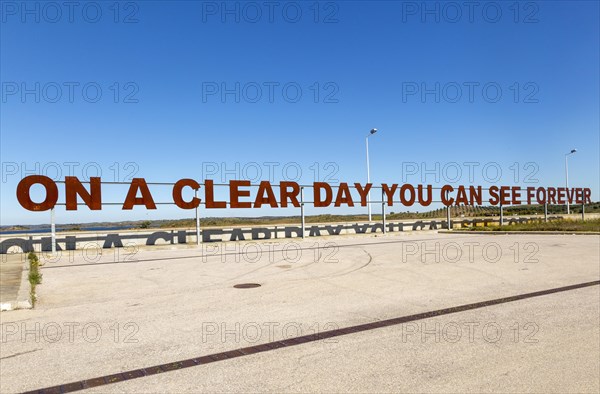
point(19, 243)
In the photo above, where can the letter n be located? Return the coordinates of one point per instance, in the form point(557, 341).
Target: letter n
point(74, 188)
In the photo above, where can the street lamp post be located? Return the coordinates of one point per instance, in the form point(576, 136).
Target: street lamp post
point(567, 175)
point(373, 131)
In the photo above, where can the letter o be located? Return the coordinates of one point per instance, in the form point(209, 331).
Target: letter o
point(249, 338)
point(411, 192)
point(57, 336)
point(25, 199)
point(498, 333)
point(97, 329)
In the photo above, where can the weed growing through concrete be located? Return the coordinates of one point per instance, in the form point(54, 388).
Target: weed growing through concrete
point(35, 276)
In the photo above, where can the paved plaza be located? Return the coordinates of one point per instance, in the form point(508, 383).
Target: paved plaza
point(374, 314)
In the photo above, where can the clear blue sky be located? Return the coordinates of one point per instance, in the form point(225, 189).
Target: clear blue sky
point(357, 65)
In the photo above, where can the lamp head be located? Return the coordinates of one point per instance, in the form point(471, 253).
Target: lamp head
point(373, 131)
point(573, 150)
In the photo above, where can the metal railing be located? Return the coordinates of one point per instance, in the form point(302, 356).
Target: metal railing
point(302, 203)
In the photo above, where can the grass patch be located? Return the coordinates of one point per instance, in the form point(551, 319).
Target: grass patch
point(35, 276)
point(554, 225)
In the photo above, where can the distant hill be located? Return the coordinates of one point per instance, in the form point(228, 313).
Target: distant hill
point(457, 212)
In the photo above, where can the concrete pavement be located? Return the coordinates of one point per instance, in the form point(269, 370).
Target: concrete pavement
point(173, 303)
point(14, 284)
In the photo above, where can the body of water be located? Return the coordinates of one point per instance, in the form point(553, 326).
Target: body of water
point(47, 230)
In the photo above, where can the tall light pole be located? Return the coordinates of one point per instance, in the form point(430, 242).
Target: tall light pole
point(373, 131)
point(567, 176)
